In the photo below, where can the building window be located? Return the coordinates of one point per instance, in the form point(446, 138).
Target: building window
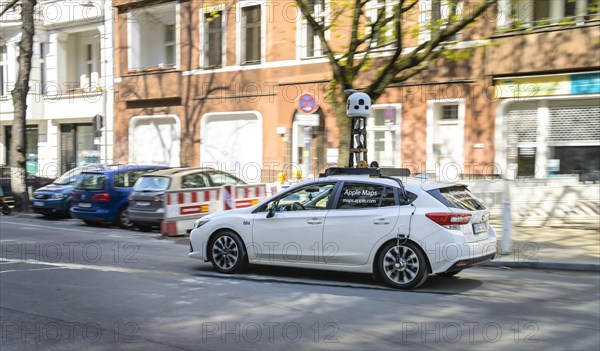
point(3, 71)
point(380, 10)
point(251, 34)
point(449, 112)
point(31, 137)
point(531, 13)
point(43, 80)
point(170, 45)
point(310, 42)
point(383, 135)
point(213, 39)
point(440, 11)
point(153, 37)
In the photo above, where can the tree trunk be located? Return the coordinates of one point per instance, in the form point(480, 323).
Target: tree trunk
point(344, 124)
point(19, 95)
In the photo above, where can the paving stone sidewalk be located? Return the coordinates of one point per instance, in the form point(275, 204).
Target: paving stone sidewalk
point(552, 248)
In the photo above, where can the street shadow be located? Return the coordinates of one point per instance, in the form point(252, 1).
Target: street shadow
point(434, 284)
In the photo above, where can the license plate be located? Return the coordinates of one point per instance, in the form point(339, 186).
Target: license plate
point(479, 227)
point(85, 204)
point(142, 203)
point(38, 204)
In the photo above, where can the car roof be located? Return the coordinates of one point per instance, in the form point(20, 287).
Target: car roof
point(181, 171)
point(122, 168)
point(409, 182)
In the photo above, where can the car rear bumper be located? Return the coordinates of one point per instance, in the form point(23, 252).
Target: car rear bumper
point(145, 217)
point(458, 254)
point(94, 215)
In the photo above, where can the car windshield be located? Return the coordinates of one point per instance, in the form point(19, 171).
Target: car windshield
point(91, 181)
point(152, 184)
point(68, 177)
point(461, 197)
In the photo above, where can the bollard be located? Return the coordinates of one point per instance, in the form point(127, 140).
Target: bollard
point(506, 227)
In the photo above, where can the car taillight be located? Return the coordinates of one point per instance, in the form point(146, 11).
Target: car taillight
point(74, 196)
point(104, 197)
point(159, 198)
point(450, 220)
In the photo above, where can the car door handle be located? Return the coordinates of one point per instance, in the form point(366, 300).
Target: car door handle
point(314, 221)
point(381, 221)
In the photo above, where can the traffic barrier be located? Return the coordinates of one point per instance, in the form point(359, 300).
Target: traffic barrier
point(183, 207)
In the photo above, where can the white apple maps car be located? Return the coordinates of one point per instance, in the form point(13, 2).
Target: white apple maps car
point(400, 231)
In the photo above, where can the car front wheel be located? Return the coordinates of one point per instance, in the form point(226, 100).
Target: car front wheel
point(403, 266)
point(227, 253)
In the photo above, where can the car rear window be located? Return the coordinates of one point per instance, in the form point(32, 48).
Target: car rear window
point(91, 181)
point(152, 184)
point(458, 197)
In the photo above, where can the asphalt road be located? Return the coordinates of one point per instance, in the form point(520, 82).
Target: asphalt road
point(68, 286)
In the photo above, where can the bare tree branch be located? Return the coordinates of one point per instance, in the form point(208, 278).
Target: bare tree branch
point(8, 7)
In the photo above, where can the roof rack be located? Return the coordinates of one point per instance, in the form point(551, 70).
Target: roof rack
point(372, 172)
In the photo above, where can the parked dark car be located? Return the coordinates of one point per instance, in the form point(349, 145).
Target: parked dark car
point(54, 200)
point(33, 182)
point(102, 196)
point(146, 201)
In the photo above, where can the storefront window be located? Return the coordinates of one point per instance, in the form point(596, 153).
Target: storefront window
point(31, 137)
point(581, 160)
point(77, 146)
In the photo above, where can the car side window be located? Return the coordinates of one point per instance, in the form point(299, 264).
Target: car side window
point(365, 196)
point(308, 198)
point(128, 178)
point(219, 179)
point(195, 180)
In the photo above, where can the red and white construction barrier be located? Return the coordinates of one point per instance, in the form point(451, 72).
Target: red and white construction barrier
point(183, 207)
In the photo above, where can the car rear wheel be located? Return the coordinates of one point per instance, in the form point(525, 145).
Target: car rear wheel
point(227, 253)
point(123, 220)
point(403, 266)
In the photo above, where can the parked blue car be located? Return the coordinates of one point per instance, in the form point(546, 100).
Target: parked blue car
point(54, 200)
point(102, 196)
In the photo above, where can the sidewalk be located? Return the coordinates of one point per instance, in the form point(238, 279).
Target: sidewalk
point(574, 249)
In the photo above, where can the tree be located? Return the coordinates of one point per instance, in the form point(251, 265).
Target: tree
point(365, 40)
point(19, 96)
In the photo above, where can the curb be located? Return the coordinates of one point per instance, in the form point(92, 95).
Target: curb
point(579, 267)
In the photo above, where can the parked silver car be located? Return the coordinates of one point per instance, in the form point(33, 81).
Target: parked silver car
point(146, 202)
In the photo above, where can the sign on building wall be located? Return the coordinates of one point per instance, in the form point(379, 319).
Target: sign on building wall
point(565, 84)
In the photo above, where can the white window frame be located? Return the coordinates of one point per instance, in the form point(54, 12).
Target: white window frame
point(302, 31)
point(203, 32)
point(4, 67)
point(132, 21)
point(170, 44)
point(434, 109)
point(240, 28)
point(426, 16)
point(395, 129)
point(44, 50)
point(373, 8)
point(524, 12)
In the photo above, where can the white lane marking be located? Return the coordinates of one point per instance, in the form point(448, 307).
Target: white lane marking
point(48, 227)
point(95, 268)
point(31, 270)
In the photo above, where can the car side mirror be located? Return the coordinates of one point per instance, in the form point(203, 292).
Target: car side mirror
point(271, 209)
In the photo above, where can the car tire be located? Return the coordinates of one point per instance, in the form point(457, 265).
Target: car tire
point(413, 270)
point(448, 274)
point(227, 253)
point(123, 220)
